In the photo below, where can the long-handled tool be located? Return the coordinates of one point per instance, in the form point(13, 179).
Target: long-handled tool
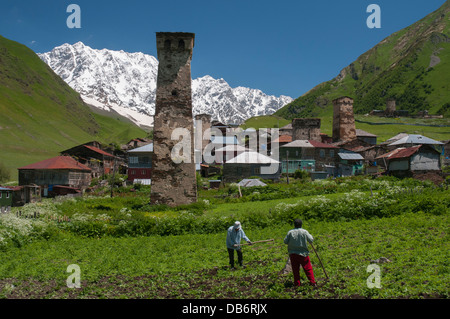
point(259, 241)
point(319, 260)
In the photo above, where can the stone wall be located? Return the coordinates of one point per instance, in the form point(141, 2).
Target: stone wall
point(306, 129)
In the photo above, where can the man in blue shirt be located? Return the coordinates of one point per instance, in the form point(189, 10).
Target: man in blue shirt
point(297, 240)
point(234, 235)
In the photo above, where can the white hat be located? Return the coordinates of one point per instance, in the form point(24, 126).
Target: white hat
point(237, 225)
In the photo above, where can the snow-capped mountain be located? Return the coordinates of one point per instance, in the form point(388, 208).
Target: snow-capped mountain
point(126, 83)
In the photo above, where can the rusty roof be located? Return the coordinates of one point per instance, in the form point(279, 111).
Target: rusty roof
point(96, 149)
point(58, 162)
point(406, 152)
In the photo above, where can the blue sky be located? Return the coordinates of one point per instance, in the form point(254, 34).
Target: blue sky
point(280, 47)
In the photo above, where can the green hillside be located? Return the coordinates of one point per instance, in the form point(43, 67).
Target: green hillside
point(412, 66)
point(41, 115)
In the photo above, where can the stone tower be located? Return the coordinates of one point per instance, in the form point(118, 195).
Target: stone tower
point(390, 106)
point(343, 119)
point(203, 123)
point(306, 129)
point(173, 178)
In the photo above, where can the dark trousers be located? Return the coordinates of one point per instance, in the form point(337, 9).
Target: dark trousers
point(231, 256)
point(305, 263)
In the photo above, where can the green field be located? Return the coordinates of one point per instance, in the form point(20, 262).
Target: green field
point(128, 249)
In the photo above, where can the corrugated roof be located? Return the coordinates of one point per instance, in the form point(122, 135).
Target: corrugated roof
point(5, 189)
point(415, 139)
point(251, 158)
point(350, 156)
point(389, 154)
point(406, 152)
point(143, 149)
point(95, 149)
point(58, 162)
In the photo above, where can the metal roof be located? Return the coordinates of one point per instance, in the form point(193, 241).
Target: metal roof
point(252, 158)
point(299, 143)
point(415, 139)
point(5, 189)
point(58, 162)
point(142, 149)
point(350, 156)
point(251, 182)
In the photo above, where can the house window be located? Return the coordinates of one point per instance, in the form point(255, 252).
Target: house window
point(257, 170)
point(322, 153)
point(7, 195)
point(134, 160)
point(1, 194)
point(331, 153)
point(143, 172)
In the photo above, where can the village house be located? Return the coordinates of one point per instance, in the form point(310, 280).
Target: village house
point(367, 137)
point(54, 172)
point(350, 163)
point(407, 162)
point(91, 155)
point(308, 155)
point(414, 140)
point(25, 194)
point(5, 199)
point(250, 164)
point(140, 164)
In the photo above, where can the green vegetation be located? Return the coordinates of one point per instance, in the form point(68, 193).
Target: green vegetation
point(438, 129)
point(412, 66)
point(129, 249)
point(42, 115)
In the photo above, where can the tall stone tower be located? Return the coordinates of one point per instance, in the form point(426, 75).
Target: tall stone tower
point(306, 129)
point(173, 180)
point(390, 107)
point(343, 119)
point(202, 137)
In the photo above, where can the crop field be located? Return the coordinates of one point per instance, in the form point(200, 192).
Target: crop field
point(125, 248)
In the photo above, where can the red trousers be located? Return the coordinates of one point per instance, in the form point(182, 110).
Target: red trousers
point(296, 261)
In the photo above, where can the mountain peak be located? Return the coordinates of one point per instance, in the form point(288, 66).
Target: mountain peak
point(126, 82)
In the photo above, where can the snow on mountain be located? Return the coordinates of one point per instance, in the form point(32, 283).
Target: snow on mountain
point(126, 83)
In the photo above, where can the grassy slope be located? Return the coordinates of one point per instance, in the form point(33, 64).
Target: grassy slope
point(383, 132)
point(397, 67)
point(41, 115)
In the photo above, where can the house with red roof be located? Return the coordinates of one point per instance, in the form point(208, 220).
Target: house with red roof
point(406, 162)
point(54, 172)
point(90, 154)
